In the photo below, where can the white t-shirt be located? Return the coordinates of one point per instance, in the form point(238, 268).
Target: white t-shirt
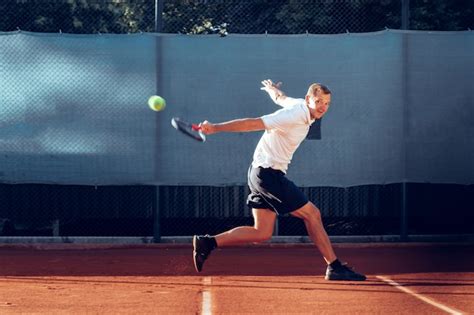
point(285, 129)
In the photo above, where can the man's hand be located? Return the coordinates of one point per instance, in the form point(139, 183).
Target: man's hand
point(272, 89)
point(207, 128)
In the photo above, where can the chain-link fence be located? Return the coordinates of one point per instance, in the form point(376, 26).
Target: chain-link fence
point(234, 16)
point(186, 210)
point(49, 210)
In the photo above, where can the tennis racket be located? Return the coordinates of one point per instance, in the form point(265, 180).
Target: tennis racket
point(190, 130)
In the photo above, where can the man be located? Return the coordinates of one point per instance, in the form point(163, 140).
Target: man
point(271, 193)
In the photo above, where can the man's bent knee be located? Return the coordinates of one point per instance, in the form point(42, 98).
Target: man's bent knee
point(308, 212)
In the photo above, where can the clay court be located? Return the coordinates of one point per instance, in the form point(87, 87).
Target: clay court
point(160, 279)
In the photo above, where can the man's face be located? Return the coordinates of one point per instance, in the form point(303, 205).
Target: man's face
point(320, 103)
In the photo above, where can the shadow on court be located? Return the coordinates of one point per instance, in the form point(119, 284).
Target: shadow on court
point(163, 260)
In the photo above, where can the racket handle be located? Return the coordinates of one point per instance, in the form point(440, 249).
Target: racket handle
point(195, 127)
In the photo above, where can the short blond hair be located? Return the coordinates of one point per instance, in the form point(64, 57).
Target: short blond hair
point(318, 87)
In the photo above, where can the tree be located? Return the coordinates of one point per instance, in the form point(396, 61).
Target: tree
point(234, 16)
point(441, 15)
point(78, 16)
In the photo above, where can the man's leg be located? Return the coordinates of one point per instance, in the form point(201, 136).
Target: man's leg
point(314, 225)
point(261, 231)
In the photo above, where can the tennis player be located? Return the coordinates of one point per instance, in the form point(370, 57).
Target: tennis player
point(271, 193)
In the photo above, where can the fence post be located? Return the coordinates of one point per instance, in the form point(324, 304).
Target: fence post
point(403, 219)
point(159, 15)
point(276, 230)
point(405, 14)
point(405, 17)
point(156, 215)
point(156, 194)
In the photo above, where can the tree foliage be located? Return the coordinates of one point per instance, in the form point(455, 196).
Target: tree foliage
point(442, 15)
point(235, 16)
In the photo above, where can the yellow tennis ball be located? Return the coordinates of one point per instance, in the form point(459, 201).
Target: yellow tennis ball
point(156, 103)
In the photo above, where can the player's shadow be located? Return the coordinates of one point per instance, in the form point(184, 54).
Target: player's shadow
point(372, 286)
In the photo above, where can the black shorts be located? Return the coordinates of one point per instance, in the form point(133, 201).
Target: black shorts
point(270, 189)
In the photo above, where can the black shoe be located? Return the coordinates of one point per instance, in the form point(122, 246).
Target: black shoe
point(343, 273)
point(202, 248)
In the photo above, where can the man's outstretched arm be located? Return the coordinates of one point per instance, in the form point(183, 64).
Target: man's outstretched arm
point(237, 125)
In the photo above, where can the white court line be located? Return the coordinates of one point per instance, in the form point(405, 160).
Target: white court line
point(419, 296)
point(206, 297)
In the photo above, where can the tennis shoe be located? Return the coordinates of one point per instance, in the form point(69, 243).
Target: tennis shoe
point(202, 248)
point(343, 273)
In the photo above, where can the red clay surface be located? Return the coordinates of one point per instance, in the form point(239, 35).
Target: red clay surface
point(278, 279)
